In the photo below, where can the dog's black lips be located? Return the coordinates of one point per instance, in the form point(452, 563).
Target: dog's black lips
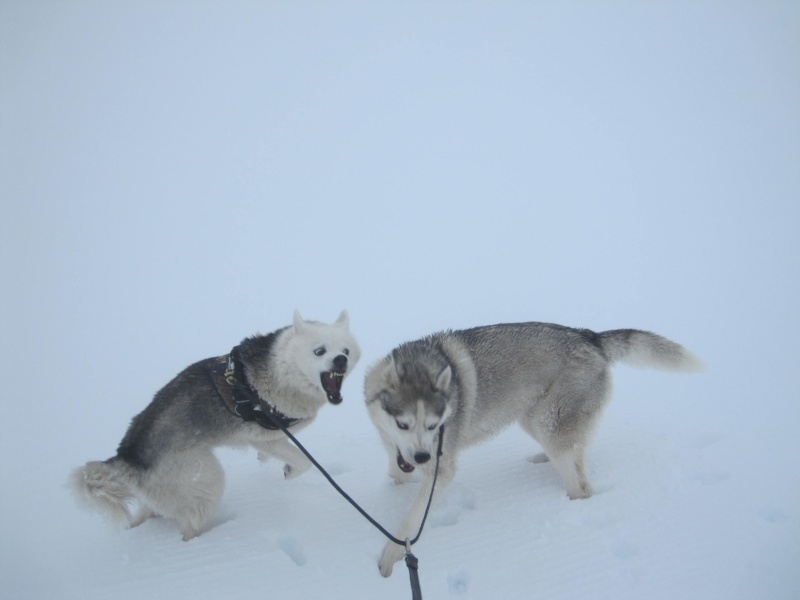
point(405, 466)
point(332, 384)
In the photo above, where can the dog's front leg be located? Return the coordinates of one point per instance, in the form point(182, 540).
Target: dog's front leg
point(392, 552)
point(296, 462)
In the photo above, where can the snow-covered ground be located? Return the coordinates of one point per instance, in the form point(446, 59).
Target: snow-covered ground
point(176, 176)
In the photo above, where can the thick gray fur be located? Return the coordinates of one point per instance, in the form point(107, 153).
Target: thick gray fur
point(165, 465)
point(553, 380)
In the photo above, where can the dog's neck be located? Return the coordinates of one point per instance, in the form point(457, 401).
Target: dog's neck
point(287, 392)
point(248, 402)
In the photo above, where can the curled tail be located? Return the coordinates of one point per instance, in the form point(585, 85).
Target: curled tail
point(644, 349)
point(106, 487)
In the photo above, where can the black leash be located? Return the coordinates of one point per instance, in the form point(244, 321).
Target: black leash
point(411, 561)
point(398, 541)
point(249, 409)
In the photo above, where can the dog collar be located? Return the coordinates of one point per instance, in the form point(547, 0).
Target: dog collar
point(240, 397)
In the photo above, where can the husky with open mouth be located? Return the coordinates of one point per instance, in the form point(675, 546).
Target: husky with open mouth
point(553, 380)
point(165, 464)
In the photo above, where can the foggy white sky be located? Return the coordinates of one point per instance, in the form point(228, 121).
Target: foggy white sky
point(176, 177)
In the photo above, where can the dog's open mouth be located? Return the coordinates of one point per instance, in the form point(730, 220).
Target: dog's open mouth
point(405, 466)
point(332, 384)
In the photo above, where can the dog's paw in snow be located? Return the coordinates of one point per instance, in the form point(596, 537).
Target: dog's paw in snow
point(392, 553)
point(292, 471)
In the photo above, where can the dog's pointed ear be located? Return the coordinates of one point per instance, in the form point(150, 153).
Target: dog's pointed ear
point(298, 321)
point(442, 383)
point(394, 370)
point(343, 320)
point(383, 398)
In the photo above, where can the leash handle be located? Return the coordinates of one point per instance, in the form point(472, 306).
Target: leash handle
point(412, 563)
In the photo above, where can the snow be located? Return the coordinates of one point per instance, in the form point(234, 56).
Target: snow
point(177, 176)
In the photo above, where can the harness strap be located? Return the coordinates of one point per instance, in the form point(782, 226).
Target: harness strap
point(239, 397)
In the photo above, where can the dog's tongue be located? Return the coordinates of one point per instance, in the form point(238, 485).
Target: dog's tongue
point(332, 384)
point(405, 466)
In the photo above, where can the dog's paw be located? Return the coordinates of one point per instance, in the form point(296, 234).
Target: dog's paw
point(582, 492)
point(292, 471)
point(392, 553)
point(540, 458)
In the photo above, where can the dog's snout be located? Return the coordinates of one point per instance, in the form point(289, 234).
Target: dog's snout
point(421, 457)
point(340, 363)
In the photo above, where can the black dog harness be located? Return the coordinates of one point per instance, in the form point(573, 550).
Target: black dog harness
point(239, 396)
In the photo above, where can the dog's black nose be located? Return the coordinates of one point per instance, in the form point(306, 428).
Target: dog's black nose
point(340, 363)
point(421, 457)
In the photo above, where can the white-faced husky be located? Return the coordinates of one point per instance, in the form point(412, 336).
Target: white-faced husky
point(165, 464)
point(553, 380)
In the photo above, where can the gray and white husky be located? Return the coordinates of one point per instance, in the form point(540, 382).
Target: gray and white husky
point(553, 380)
point(165, 464)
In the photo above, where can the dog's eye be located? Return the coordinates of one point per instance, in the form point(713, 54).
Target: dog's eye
point(346, 351)
point(319, 351)
point(402, 426)
point(431, 427)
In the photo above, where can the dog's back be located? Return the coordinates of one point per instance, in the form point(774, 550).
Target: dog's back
point(535, 354)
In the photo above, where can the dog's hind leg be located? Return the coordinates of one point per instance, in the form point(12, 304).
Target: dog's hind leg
point(539, 458)
point(568, 461)
point(186, 487)
point(563, 419)
point(570, 465)
point(141, 515)
point(565, 449)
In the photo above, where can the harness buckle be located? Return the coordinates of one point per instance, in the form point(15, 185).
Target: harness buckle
point(230, 371)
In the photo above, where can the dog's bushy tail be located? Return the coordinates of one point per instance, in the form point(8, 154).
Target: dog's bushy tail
point(644, 349)
point(106, 487)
